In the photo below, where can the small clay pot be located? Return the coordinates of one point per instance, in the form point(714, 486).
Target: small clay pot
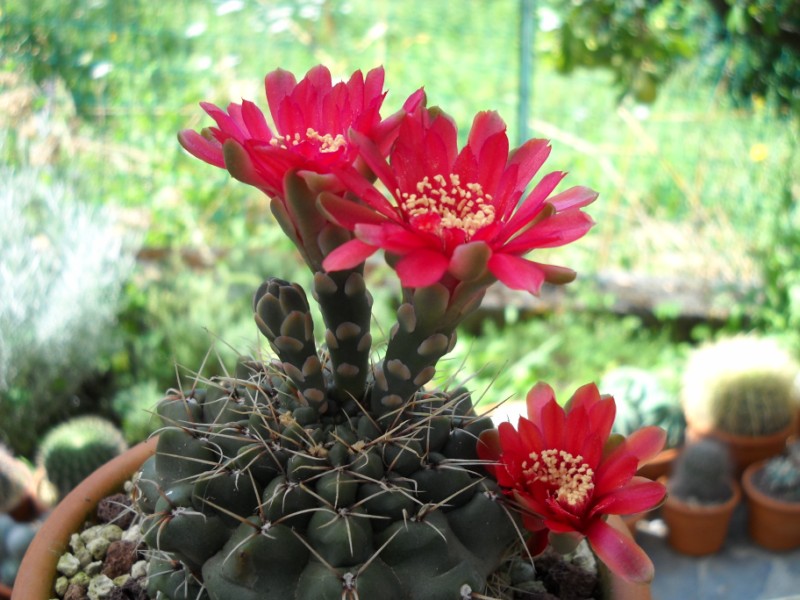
point(771, 523)
point(698, 529)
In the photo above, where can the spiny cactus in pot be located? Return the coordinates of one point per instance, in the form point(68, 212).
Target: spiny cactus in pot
point(703, 473)
point(742, 391)
point(772, 489)
point(744, 385)
point(780, 475)
point(335, 471)
point(702, 497)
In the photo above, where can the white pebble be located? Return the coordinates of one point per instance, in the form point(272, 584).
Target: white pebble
point(100, 587)
point(68, 565)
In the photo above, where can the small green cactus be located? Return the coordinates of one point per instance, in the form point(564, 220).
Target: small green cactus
point(780, 477)
point(71, 451)
point(703, 473)
point(15, 479)
point(642, 400)
point(743, 386)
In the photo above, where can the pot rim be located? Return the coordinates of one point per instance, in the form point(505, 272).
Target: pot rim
point(679, 505)
point(38, 565)
point(753, 492)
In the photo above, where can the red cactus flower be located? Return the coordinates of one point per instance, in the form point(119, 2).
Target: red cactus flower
point(457, 213)
point(312, 119)
point(558, 467)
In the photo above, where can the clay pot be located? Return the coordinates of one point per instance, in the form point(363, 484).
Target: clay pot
point(37, 572)
point(745, 449)
point(698, 529)
point(771, 523)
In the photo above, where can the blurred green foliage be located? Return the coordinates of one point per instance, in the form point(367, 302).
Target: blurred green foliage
point(752, 47)
point(97, 89)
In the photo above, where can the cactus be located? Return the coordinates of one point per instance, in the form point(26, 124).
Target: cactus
point(642, 400)
point(264, 485)
point(743, 386)
point(329, 472)
point(780, 476)
point(71, 451)
point(703, 473)
point(15, 479)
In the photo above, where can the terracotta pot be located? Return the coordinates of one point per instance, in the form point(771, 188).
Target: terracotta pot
point(37, 572)
point(771, 523)
point(745, 449)
point(698, 529)
point(660, 465)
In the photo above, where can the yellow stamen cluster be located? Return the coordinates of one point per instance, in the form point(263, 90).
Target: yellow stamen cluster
point(568, 474)
point(328, 143)
point(464, 207)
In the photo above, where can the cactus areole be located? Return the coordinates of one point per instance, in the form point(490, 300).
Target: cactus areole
point(336, 469)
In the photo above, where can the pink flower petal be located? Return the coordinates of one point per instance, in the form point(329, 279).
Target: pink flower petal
point(538, 397)
point(573, 198)
point(620, 553)
point(278, 85)
point(347, 213)
point(614, 472)
point(517, 273)
point(348, 255)
point(554, 231)
point(633, 498)
point(255, 121)
point(421, 268)
point(646, 442)
point(534, 202)
point(202, 148)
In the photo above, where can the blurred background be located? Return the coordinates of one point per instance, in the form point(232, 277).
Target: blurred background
point(126, 262)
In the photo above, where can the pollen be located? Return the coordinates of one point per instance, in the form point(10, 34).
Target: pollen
point(446, 203)
point(570, 479)
point(326, 143)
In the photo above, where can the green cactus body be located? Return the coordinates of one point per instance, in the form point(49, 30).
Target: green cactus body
point(291, 503)
point(703, 473)
point(753, 404)
point(780, 477)
point(73, 450)
point(742, 386)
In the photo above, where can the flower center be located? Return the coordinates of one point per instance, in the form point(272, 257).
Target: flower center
point(326, 143)
point(570, 478)
point(437, 206)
